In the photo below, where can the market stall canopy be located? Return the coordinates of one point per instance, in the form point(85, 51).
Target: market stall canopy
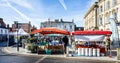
point(54, 35)
point(50, 31)
point(20, 32)
point(89, 37)
point(91, 33)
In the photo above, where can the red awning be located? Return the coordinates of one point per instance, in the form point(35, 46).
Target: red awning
point(91, 33)
point(51, 31)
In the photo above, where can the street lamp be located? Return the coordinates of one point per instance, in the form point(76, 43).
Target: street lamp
point(16, 26)
point(115, 36)
point(8, 35)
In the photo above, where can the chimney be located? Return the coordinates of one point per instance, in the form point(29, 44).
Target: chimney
point(73, 20)
point(48, 19)
point(1, 19)
point(61, 20)
point(8, 26)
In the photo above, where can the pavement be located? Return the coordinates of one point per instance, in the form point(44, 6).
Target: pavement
point(13, 50)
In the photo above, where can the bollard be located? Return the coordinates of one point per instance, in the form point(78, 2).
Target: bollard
point(82, 51)
point(79, 51)
point(98, 52)
point(94, 52)
point(86, 51)
point(89, 51)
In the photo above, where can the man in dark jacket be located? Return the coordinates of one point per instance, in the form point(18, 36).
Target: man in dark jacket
point(65, 40)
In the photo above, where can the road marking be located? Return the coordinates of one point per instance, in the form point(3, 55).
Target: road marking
point(41, 59)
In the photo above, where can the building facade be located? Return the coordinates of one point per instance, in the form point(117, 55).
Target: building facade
point(3, 31)
point(25, 26)
point(106, 9)
point(65, 25)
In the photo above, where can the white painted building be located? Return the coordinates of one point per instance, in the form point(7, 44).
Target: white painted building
point(3, 31)
point(65, 25)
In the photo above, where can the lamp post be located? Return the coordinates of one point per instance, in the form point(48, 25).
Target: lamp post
point(16, 26)
point(8, 35)
point(115, 36)
point(17, 40)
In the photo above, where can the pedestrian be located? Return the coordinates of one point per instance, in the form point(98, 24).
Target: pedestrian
point(107, 44)
point(65, 41)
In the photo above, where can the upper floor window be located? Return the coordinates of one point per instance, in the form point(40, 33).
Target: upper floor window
point(70, 26)
point(5, 31)
point(101, 22)
point(65, 27)
point(1, 31)
point(101, 8)
point(115, 15)
point(108, 17)
point(114, 2)
point(108, 4)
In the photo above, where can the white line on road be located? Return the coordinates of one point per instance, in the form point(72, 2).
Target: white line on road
point(41, 59)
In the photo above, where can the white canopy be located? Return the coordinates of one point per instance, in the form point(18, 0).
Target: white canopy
point(89, 37)
point(20, 32)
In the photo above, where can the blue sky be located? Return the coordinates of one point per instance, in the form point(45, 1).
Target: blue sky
point(38, 11)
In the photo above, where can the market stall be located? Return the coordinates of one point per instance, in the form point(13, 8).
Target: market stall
point(90, 43)
point(53, 46)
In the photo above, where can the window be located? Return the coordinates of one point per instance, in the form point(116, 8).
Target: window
point(108, 4)
point(5, 31)
point(70, 26)
point(101, 8)
point(108, 17)
point(65, 27)
point(1, 31)
point(100, 22)
point(115, 15)
point(0, 24)
point(114, 2)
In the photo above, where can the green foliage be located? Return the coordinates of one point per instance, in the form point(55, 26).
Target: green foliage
point(31, 40)
point(30, 46)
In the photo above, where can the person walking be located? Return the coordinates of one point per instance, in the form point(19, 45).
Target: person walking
point(107, 43)
point(65, 41)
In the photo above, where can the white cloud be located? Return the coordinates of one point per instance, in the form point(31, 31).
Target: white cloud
point(23, 3)
point(20, 13)
point(3, 3)
point(63, 4)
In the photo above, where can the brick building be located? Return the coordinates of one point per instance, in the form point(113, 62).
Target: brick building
point(25, 26)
